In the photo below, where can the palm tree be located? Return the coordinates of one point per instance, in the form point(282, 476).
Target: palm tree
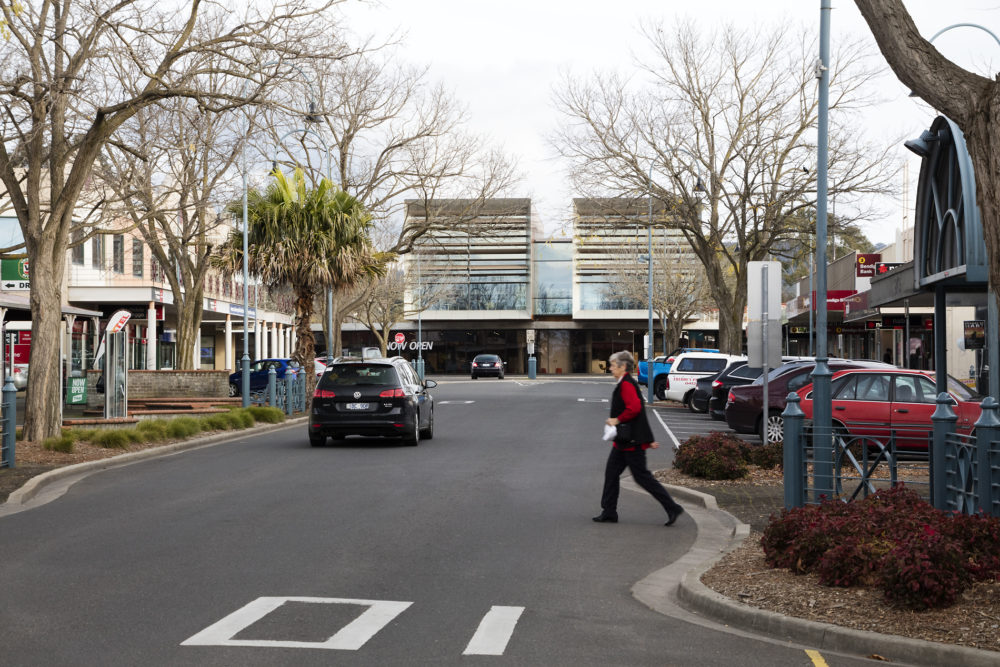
point(308, 239)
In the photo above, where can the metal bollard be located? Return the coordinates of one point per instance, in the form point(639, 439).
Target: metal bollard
point(9, 424)
point(944, 420)
point(420, 368)
point(289, 380)
point(272, 388)
point(792, 455)
point(532, 367)
point(987, 432)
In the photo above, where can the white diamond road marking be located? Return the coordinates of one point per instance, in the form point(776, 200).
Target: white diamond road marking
point(455, 402)
point(494, 631)
point(349, 638)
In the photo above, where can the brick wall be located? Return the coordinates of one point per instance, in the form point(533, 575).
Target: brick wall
point(165, 384)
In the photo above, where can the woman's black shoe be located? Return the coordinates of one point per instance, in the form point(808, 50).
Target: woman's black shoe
point(605, 518)
point(672, 516)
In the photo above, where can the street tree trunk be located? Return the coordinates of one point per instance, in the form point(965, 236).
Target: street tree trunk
point(970, 100)
point(42, 413)
point(305, 341)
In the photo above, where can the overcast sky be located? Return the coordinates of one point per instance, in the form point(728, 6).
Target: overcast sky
point(503, 59)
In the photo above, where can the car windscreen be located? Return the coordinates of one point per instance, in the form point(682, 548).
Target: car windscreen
point(962, 391)
point(701, 365)
point(341, 375)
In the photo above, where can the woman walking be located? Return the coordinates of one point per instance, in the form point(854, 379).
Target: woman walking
point(628, 450)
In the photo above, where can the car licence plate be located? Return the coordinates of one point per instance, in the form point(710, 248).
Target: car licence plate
point(357, 406)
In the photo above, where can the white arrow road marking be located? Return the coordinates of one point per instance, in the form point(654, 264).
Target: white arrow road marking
point(349, 638)
point(494, 631)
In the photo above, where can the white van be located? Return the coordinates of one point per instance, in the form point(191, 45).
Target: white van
point(688, 368)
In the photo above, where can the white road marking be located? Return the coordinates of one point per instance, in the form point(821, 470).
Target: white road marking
point(592, 400)
point(349, 638)
point(677, 445)
point(494, 631)
point(455, 402)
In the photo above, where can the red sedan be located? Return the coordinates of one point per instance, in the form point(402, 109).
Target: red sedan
point(877, 402)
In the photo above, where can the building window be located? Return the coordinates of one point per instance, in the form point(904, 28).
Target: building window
point(97, 251)
point(155, 271)
point(76, 254)
point(207, 361)
point(138, 257)
point(118, 253)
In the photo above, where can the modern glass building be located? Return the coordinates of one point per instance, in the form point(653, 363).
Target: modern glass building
point(485, 278)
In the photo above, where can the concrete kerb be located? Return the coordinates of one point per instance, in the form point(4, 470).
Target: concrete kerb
point(22, 496)
point(715, 538)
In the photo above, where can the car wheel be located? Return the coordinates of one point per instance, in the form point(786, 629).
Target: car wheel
point(775, 428)
point(660, 388)
point(412, 439)
point(500, 377)
point(474, 377)
point(317, 440)
point(690, 404)
point(428, 432)
point(234, 390)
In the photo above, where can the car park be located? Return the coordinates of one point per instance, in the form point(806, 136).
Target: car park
point(487, 365)
point(745, 405)
point(897, 402)
point(662, 364)
point(687, 368)
point(259, 373)
point(737, 374)
point(371, 397)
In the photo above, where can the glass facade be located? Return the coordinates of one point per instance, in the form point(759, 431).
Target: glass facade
point(553, 278)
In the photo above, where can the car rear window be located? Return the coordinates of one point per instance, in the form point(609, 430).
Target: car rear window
point(745, 372)
point(486, 357)
point(701, 365)
point(341, 375)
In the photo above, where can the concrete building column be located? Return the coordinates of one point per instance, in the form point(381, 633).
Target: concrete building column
point(274, 338)
point(281, 340)
point(257, 336)
point(229, 343)
point(151, 338)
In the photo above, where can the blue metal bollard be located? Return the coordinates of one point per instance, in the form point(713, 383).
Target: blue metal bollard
point(987, 432)
point(272, 387)
point(944, 420)
point(289, 381)
point(795, 495)
point(420, 368)
point(9, 424)
point(532, 367)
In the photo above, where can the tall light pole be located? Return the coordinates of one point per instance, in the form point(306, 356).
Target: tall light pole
point(649, 258)
point(822, 409)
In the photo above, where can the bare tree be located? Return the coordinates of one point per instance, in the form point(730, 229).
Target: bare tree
point(72, 74)
point(393, 135)
point(171, 170)
point(726, 122)
point(680, 290)
point(968, 99)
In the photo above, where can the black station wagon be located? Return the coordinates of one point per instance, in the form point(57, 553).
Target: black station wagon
point(373, 397)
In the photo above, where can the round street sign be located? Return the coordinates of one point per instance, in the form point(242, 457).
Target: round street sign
point(400, 338)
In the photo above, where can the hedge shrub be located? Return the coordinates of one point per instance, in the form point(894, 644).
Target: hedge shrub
point(713, 456)
point(920, 557)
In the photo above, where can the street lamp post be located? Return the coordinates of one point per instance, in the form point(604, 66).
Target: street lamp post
point(649, 346)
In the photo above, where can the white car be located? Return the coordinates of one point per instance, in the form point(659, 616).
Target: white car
point(688, 368)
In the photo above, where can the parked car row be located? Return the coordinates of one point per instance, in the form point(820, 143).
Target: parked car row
point(868, 398)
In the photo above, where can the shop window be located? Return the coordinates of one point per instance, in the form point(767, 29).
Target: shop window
point(97, 251)
point(207, 348)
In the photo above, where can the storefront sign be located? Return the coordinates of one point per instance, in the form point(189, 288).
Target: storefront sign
point(14, 273)
point(885, 267)
point(412, 345)
point(798, 330)
point(76, 391)
point(975, 334)
point(865, 266)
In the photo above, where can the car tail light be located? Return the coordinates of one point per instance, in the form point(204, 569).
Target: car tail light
point(716, 383)
point(670, 360)
point(392, 393)
point(731, 398)
point(324, 393)
point(474, 364)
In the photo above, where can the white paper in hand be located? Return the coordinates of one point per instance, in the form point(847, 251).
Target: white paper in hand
point(610, 432)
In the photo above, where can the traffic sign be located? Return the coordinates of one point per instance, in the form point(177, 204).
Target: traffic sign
point(400, 338)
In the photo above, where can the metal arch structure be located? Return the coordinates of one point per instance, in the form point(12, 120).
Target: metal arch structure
point(949, 246)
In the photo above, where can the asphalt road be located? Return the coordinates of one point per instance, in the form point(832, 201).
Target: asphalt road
point(475, 547)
